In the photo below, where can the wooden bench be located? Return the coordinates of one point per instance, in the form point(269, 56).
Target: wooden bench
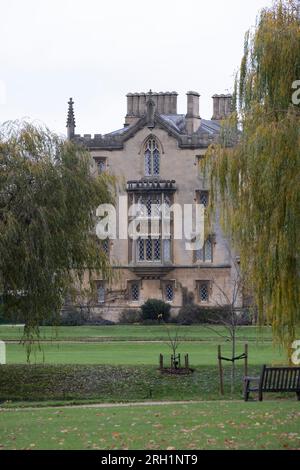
point(273, 379)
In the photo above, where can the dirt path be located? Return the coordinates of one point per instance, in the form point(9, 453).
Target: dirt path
point(117, 405)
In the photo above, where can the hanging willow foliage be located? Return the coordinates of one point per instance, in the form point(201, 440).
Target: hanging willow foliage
point(48, 198)
point(255, 170)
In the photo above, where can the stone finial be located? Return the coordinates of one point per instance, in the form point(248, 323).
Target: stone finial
point(150, 110)
point(70, 120)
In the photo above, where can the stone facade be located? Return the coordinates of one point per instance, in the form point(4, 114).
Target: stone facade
point(156, 155)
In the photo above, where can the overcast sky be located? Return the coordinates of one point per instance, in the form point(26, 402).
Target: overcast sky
point(98, 50)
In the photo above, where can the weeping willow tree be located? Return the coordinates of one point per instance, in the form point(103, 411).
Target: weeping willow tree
point(255, 170)
point(48, 198)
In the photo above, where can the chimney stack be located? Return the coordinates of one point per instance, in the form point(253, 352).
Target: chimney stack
point(193, 119)
point(222, 106)
point(165, 103)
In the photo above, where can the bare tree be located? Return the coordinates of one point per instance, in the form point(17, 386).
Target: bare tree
point(230, 295)
point(174, 339)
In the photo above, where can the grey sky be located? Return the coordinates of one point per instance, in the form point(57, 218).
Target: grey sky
point(96, 51)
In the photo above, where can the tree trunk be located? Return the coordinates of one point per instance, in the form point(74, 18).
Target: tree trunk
point(233, 362)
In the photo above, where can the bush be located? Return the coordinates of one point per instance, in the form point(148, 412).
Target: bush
point(193, 314)
point(189, 314)
point(73, 316)
point(11, 318)
point(153, 308)
point(130, 315)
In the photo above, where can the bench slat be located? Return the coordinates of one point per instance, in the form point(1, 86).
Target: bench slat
point(281, 379)
point(275, 379)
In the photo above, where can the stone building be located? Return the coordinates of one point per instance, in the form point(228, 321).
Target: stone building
point(156, 159)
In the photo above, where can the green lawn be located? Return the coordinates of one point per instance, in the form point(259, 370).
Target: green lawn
point(194, 426)
point(119, 364)
point(96, 383)
point(110, 383)
point(123, 371)
point(135, 353)
point(134, 332)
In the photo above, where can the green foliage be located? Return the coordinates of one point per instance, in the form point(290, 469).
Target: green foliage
point(73, 317)
point(195, 314)
point(130, 315)
point(256, 182)
point(47, 202)
point(187, 297)
point(153, 308)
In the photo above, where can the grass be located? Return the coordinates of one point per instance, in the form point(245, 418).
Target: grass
point(73, 383)
point(123, 371)
point(194, 426)
point(136, 353)
point(109, 383)
point(119, 364)
point(133, 333)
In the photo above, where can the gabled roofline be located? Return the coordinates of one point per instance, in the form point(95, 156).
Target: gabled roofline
point(116, 141)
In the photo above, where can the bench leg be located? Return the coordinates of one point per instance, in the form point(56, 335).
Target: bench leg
point(298, 396)
point(260, 395)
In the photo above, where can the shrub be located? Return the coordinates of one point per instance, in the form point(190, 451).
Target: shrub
point(130, 315)
point(153, 308)
point(191, 314)
point(72, 317)
point(2, 317)
point(11, 318)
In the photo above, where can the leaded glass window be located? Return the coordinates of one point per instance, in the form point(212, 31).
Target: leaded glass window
point(156, 203)
point(152, 158)
point(204, 292)
point(206, 253)
point(148, 163)
point(199, 255)
point(203, 198)
point(156, 244)
point(156, 161)
point(208, 250)
point(149, 206)
point(141, 249)
point(142, 207)
point(105, 246)
point(135, 291)
point(166, 208)
point(101, 164)
point(169, 292)
point(167, 249)
point(149, 249)
point(101, 292)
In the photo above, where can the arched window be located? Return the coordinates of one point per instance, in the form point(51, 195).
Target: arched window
point(206, 253)
point(152, 158)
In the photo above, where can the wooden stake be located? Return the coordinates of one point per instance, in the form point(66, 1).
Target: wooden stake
point(220, 371)
point(246, 359)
